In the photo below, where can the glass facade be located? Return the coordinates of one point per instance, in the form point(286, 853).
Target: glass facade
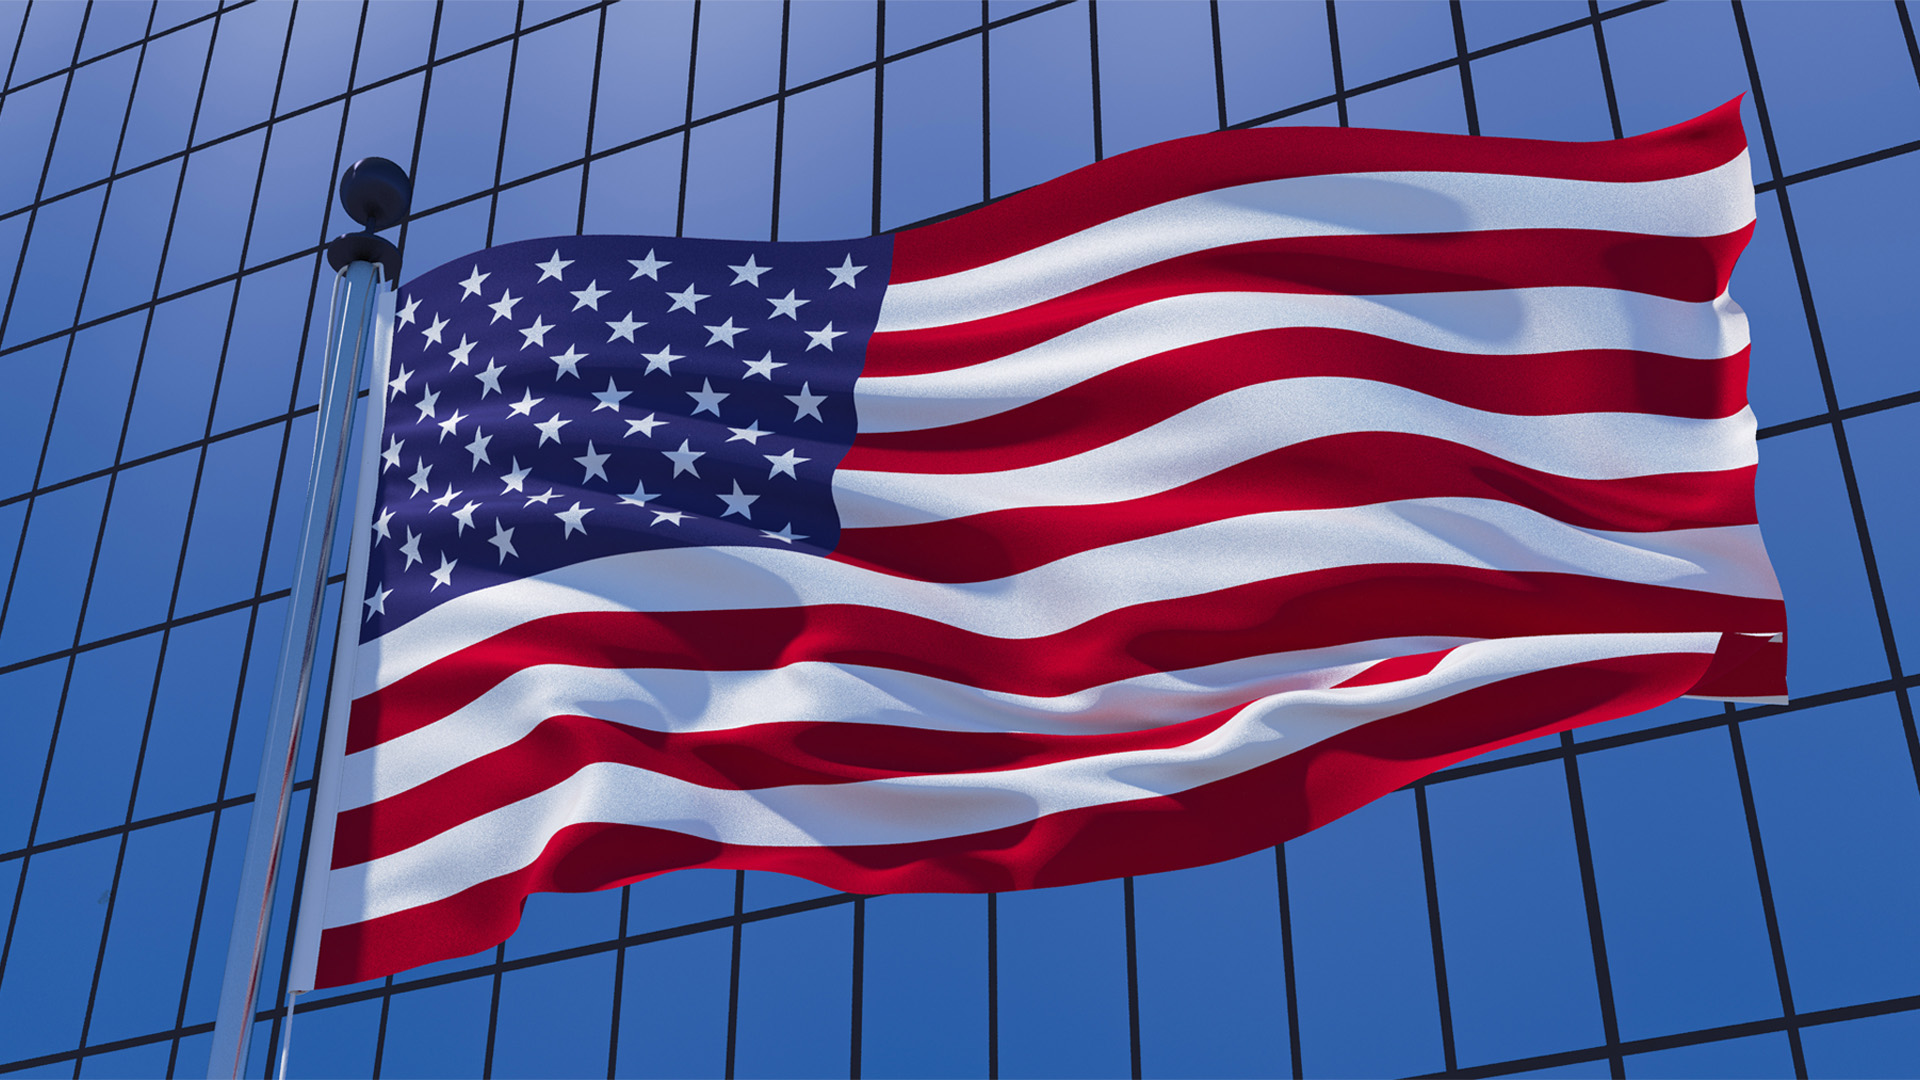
point(1695, 891)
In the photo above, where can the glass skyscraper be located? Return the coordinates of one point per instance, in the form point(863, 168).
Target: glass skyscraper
point(1695, 891)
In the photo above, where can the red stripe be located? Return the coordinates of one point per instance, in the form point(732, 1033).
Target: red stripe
point(1396, 669)
point(1137, 395)
point(1338, 471)
point(1125, 402)
point(1203, 825)
point(757, 756)
point(1171, 170)
point(1301, 611)
point(1693, 269)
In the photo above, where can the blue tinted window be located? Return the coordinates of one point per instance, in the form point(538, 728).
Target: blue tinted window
point(828, 38)
point(1873, 1046)
point(26, 410)
point(635, 191)
point(438, 1031)
point(336, 1041)
point(826, 168)
point(730, 177)
point(45, 299)
point(396, 39)
point(1042, 84)
point(1885, 445)
point(62, 908)
point(1156, 73)
point(320, 53)
point(1513, 916)
point(192, 711)
point(245, 68)
point(48, 39)
point(1838, 81)
point(930, 159)
point(1658, 814)
point(33, 699)
point(140, 548)
point(26, 127)
point(1860, 229)
point(93, 398)
point(739, 56)
point(1755, 1055)
point(216, 200)
point(1213, 997)
point(90, 127)
point(673, 1006)
point(461, 146)
point(295, 186)
point(44, 607)
point(1063, 982)
point(553, 76)
point(152, 924)
point(1783, 382)
point(1428, 103)
point(1676, 61)
point(923, 21)
point(1834, 788)
point(786, 1034)
point(109, 26)
point(1275, 55)
point(1382, 38)
point(97, 749)
point(163, 102)
point(1490, 22)
point(177, 373)
point(1548, 90)
point(1361, 947)
point(925, 987)
point(132, 235)
point(555, 1019)
point(647, 92)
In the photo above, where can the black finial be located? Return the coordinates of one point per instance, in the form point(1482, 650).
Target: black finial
point(376, 193)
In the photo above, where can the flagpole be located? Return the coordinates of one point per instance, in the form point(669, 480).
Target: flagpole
point(376, 193)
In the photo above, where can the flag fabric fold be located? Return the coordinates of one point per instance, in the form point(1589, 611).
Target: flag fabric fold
point(1140, 520)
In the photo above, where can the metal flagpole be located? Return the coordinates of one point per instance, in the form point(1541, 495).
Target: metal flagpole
point(377, 194)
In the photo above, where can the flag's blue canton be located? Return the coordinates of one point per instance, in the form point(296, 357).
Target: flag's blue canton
point(565, 399)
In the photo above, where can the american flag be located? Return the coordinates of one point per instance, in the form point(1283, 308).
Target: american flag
point(1141, 520)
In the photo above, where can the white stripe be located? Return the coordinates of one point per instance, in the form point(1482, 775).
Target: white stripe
point(654, 699)
point(1711, 203)
point(1495, 322)
point(1067, 592)
point(1252, 420)
point(929, 807)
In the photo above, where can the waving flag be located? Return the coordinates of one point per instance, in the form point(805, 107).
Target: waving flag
point(1143, 519)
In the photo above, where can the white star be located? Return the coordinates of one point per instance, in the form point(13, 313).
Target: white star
point(645, 425)
point(444, 575)
point(478, 447)
point(823, 336)
point(595, 464)
point(380, 525)
point(542, 499)
point(550, 431)
point(552, 267)
point(624, 328)
point(390, 457)
point(515, 478)
point(786, 305)
point(785, 534)
point(844, 274)
point(784, 463)
point(471, 286)
point(448, 425)
point(464, 516)
point(446, 500)
point(535, 334)
point(672, 517)
point(751, 433)
point(503, 540)
point(411, 549)
point(749, 273)
point(405, 315)
point(725, 330)
point(377, 603)
point(763, 367)
point(660, 361)
point(683, 459)
point(706, 399)
point(589, 297)
point(639, 497)
point(429, 401)
point(573, 519)
point(489, 378)
point(433, 332)
point(611, 397)
point(806, 402)
point(569, 362)
point(459, 354)
point(399, 384)
point(686, 299)
point(647, 267)
point(419, 477)
point(738, 502)
point(524, 407)
point(503, 307)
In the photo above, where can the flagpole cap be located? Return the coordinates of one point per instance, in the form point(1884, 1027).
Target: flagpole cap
point(356, 247)
point(376, 193)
